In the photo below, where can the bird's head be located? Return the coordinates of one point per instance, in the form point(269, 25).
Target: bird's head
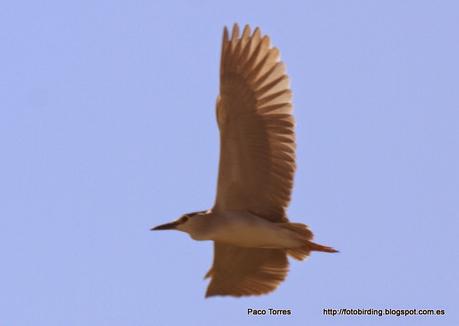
point(191, 223)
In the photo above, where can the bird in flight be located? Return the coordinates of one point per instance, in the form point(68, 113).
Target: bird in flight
point(248, 222)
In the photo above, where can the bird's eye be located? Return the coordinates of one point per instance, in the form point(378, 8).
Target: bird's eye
point(184, 219)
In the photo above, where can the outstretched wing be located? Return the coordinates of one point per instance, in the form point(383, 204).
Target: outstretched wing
point(257, 158)
point(241, 271)
point(257, 154)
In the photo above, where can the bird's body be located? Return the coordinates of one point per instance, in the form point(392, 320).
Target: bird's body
point(244, 229)
point(248, 222)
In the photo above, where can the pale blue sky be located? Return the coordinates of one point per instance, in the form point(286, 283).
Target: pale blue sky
point(107, 128)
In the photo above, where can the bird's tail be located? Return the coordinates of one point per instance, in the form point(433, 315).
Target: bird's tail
point(306, 235)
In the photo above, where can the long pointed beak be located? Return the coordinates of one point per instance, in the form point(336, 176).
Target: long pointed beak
point(167, 226)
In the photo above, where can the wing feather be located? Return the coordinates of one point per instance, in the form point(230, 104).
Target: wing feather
point(257, 158)
point(246, 271)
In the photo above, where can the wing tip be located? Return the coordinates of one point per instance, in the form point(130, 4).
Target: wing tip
point(235, 32)
point(225, 34)
point(246, 32)
point(215, 293)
